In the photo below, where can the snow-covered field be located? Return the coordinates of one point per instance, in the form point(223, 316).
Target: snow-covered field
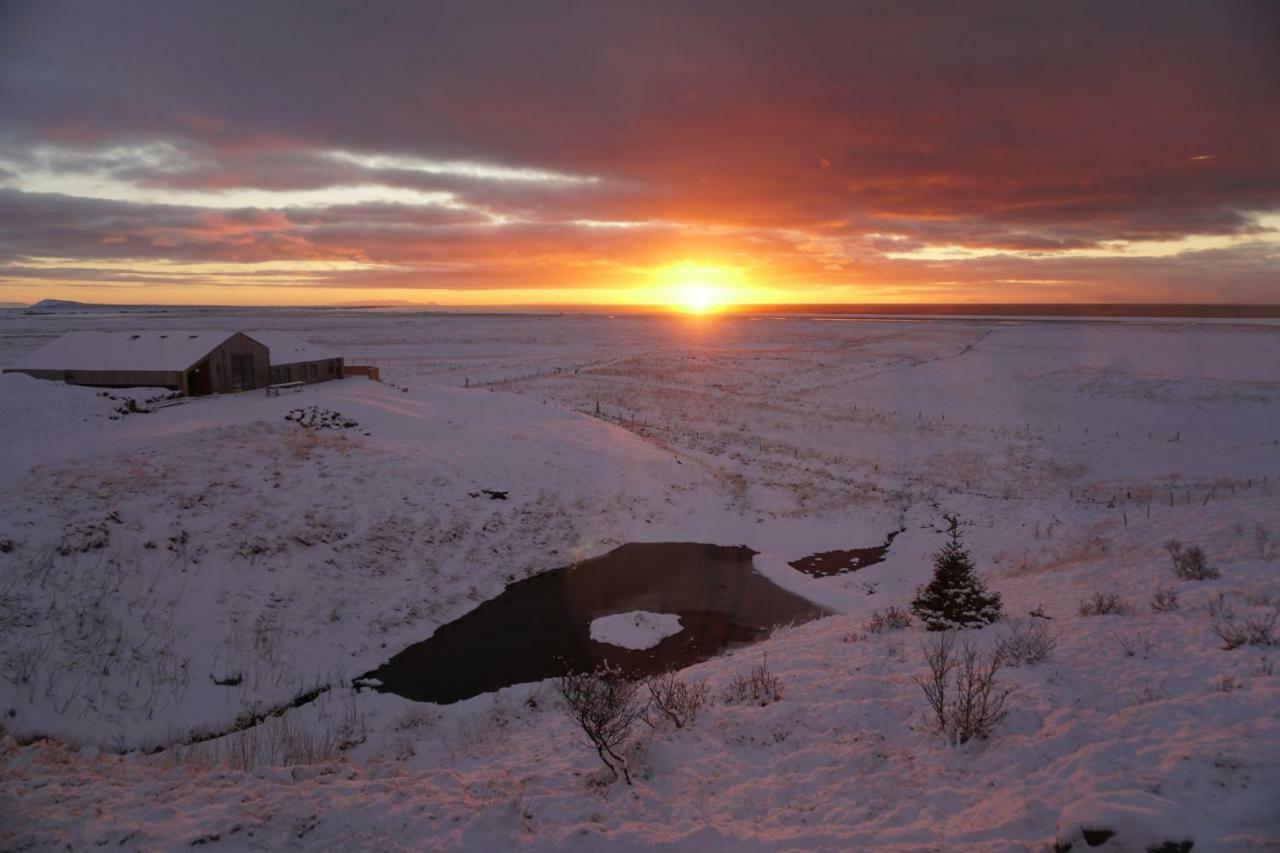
point(172, 577)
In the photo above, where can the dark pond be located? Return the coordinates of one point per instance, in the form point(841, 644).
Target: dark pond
point(540, 627)
point(830, 563)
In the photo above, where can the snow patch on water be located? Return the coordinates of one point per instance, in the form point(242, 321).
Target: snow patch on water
point(636, 629)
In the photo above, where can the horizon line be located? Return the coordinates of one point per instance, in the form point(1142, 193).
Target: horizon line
point(1252, 310)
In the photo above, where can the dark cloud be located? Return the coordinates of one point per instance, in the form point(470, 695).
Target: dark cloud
point(732, 127)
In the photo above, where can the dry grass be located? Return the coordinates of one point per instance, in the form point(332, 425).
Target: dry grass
point(1105, 604)
point(757, 686)
point(1235, 631)
point(893, 618)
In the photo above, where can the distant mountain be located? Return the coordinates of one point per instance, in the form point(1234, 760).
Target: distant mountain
point(58, 306)
point(382, 303)
point(61, 305)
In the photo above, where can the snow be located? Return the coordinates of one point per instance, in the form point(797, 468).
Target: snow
point(1142, 819)
point(287, 349)
point(169, 576)
point(129, 350)
point(635, 629)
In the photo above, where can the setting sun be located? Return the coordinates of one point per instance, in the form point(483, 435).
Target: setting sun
point(700, 288)
point(698, 298)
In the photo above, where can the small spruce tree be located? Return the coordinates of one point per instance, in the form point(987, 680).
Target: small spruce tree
point(955, 597)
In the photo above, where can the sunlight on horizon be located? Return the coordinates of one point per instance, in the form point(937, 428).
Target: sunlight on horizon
point(697, 288)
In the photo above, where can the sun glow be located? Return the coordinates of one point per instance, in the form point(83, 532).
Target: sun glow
point(699, 288)
point(699, 298)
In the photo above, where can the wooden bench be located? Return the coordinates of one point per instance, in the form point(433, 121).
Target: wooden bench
point(274, 390)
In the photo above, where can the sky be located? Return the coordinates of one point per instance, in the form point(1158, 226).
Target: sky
point(683, 153)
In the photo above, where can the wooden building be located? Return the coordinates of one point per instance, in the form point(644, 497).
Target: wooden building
point(296, 360)
point(193, 362)
point(370, 370)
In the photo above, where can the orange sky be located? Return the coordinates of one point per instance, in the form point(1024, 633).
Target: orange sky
point(223, 153)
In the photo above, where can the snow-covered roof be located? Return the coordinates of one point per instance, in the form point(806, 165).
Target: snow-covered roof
point(159, 351)
point(286, 349)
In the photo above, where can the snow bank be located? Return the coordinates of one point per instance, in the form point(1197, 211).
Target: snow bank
point(1128, 820)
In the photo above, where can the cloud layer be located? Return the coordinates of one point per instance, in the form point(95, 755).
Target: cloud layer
point(822, 151)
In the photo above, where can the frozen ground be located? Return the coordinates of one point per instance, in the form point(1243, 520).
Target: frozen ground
point(167, 578)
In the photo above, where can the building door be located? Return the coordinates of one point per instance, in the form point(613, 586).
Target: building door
point(199, 380)
point(241, 371)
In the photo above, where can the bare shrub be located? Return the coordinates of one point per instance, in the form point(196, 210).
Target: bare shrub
point(1136, 646)
point(23, 663)
point(1220, 611)
point(673, 699)
point(893, 618)
point(758, 686)
point(83, 538)
point(605, 705)
point(415, 718)
point(403, 747)
point(1255, 630)
point(1164, 600)
point(965, 700)
point(1264, 542)
point(1105, 604)
point(1027, 643)
point(1189, 562)
point(1151, 692)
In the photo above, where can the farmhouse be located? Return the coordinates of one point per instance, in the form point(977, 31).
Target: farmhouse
point(193, 362)
point(295, 360)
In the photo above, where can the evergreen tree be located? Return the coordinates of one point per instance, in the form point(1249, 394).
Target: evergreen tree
point(955, 597)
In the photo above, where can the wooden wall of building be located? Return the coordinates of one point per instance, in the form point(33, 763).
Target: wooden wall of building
point(369, 370)
point(111, 378)
point(224, 369)
point(321, 370)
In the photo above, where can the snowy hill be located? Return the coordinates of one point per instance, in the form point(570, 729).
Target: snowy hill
point(178, 580)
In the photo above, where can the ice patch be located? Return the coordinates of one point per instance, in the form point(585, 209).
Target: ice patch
point(636, 629)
